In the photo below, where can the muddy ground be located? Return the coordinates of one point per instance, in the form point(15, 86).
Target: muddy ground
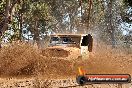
point(23, 65)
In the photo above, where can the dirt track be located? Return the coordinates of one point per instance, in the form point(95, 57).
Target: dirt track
point(23, 60)
point(54, 83)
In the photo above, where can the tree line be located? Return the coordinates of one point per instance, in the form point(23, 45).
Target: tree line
point(36, 17)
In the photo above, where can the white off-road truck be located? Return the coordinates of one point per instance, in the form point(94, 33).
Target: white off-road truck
point(70, 45)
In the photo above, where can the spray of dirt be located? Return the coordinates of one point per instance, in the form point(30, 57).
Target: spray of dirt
point(23, 59)
point(107, 60)
point(55, 52)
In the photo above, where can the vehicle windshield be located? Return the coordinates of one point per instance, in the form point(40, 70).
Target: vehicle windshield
point(62, 40)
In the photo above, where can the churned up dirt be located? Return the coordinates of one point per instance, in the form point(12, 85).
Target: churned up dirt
point(24, 60)
point(108, 61)
point(55, 52)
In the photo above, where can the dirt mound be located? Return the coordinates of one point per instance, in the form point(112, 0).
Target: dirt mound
point(23, 59)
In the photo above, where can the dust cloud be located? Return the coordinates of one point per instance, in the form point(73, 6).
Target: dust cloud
point(22, 59)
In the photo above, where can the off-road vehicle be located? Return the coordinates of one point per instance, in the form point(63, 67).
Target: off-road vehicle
point(70, 45)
